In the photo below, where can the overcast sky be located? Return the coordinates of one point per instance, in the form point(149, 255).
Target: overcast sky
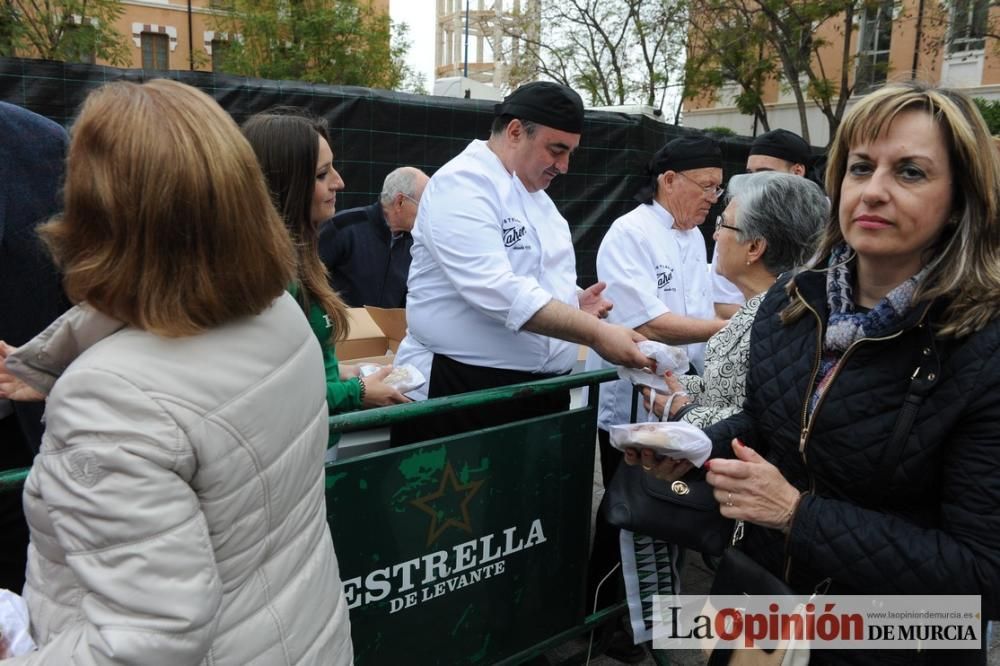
point(419, 15)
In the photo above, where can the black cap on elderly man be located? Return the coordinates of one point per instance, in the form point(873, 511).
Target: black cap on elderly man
point(782, 144)
point(681, 154)
point(545, 103)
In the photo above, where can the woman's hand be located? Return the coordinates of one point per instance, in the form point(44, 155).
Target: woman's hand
point(380, 394)
point(752, 489)
point(666, 469)
point(347, 371)
point(673, 383)
point(661, 399)
point(11, 387)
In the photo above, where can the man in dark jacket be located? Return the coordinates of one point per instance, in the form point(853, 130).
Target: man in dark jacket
point(367, 249)
point(32, 154)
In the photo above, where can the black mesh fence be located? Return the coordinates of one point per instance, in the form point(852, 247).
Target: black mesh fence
point(374, 131)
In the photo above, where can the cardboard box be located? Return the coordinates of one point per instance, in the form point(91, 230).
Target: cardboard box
point(374, 335)
point(364, 337)
point(392, 321)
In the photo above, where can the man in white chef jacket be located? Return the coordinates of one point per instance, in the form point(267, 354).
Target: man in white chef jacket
point(492, 296)
point(653, 260)
point(777, 150)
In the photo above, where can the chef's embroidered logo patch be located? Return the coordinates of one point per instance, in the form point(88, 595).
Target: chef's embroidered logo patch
point(664, 278)
point(513, 233)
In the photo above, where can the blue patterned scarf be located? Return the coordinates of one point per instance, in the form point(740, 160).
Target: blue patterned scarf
point(845, 324)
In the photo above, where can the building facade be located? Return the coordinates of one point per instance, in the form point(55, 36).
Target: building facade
point(482, 41)
point(177, 34)
point(939, 41)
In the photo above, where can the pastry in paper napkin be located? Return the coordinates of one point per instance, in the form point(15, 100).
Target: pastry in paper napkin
point(677, 440)
point(673, 359)
point(403, 378)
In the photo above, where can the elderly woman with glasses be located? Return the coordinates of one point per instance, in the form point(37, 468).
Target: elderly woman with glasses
point(770, 226)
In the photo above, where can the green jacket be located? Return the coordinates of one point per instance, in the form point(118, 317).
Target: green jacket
point(341, 396)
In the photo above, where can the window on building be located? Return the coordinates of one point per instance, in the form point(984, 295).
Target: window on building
point(219, 48)
point(155, 50)
point(873, 50)
point(968, 25)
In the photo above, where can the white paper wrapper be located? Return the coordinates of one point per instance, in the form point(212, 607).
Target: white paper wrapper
point(14, 624)
point(677, 440)
point(403, 378)
point(674, 359)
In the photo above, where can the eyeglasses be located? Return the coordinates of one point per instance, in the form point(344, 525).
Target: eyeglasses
point(402, 194)
point(711, 191)
point(721, 224)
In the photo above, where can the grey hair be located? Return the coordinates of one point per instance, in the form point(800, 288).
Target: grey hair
point(400, 181)
point(786, 211)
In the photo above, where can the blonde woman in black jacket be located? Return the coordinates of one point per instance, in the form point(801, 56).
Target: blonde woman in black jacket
point(868, 452)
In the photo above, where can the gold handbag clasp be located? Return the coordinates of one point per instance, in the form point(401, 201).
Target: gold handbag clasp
point(680, 488)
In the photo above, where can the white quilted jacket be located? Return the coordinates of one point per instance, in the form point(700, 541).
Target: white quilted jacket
point(177, 505)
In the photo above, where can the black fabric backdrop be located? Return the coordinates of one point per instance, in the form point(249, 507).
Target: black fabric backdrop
point(374, 131)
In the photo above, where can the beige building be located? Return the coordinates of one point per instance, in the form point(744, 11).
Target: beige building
point(891, 41)
point(174, 34)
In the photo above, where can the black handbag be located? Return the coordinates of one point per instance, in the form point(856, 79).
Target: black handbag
point(738, 575)
point(682, 512)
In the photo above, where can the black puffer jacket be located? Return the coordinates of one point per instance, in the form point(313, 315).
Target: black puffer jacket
point(924, 520)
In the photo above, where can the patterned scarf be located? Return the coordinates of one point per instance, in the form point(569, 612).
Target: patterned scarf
point(845, 324)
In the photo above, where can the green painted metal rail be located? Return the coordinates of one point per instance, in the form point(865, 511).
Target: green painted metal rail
point(12, 479)
point(492, 524)
point(383, 416)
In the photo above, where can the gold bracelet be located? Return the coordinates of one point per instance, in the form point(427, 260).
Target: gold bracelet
point(787, 518)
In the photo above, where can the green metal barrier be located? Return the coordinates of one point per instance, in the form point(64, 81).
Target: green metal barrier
point(469, 549)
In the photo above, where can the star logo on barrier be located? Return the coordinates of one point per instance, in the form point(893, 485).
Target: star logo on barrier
point(440, 504)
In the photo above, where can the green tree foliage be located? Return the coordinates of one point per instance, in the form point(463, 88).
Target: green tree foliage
point(782, 36)
point(720, 131)
point(323, 41)
point(990, 108)
point(71, 30)
point(729, 46)
point(411, 81)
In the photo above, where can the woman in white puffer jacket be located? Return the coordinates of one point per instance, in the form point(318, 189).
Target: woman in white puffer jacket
point(177, 506)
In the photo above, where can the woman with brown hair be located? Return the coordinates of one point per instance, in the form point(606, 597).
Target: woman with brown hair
point(176, 507)
point(295, 156)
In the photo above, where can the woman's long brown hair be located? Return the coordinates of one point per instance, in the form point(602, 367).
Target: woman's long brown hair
point(287, 147)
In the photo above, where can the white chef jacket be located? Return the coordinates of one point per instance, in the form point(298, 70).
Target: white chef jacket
point(723, 291)
point(650, 269)
point(487, 255)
